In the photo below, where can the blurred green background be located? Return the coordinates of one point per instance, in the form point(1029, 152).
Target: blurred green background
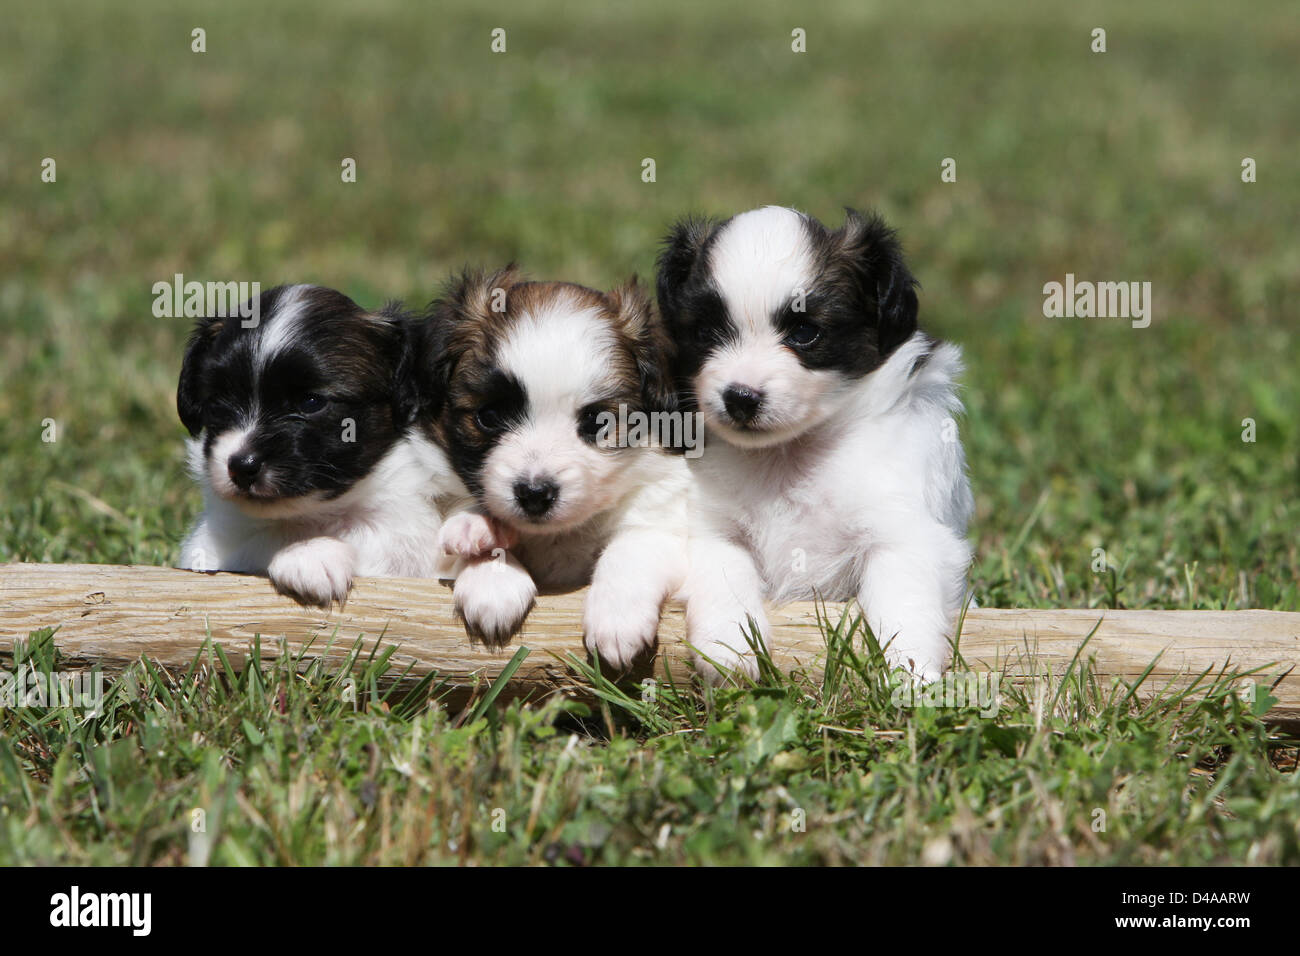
point(1116, 166)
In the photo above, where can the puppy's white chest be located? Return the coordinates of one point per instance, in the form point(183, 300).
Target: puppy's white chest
point(798, 526)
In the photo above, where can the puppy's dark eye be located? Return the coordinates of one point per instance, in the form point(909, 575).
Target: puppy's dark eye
point(310, 404)
point(590, 423)
point(703, 333)
point(489, 418)
point(803, 335)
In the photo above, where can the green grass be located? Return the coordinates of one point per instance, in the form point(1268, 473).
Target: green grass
point(280, 766)
point(1082, 434)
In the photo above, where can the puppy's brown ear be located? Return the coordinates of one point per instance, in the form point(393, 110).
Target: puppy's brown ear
point(189, 390)
point(870, 251)
point(478, 294)
point(677, 258)
point(457, 320)
point(649, 341)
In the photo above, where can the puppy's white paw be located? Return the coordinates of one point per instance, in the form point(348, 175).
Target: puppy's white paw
point(720, 663)
point(492, 597)
point(918, 677)
point(722, 655)
point(195, 559)
point(922, 672)
point(924, 661)
point(618, 628)
point(317, 571)
point(198, 552)
point(473, 535)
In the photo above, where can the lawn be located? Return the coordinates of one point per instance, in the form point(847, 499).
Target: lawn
point(1082, 434)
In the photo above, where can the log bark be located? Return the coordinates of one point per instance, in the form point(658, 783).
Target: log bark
point(112, 616)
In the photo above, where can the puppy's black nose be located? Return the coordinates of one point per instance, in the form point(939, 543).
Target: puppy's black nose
point(742, 403)
point(244, 467)
point(536, 495)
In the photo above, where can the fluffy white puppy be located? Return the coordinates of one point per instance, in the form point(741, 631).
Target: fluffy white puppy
point(832, 467)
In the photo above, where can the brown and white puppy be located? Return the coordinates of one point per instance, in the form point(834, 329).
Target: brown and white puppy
point(534, 375)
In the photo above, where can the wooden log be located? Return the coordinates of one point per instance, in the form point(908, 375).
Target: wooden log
point(111, 616)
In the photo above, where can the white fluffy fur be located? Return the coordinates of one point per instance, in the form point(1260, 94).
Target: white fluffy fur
point(619, 521)
point(853, 488)
point(385, 524)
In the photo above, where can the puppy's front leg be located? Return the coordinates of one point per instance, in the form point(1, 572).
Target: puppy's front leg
point(636, 573)
point(724, 592)
point(493, 596)
point(199, 551)
point(314, 570)
point(911, 595)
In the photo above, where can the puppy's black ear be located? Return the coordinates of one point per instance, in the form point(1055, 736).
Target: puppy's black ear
point(871, 252)
point(649, 341)
point(409, 393)
point(681, 249)
point(189, 391)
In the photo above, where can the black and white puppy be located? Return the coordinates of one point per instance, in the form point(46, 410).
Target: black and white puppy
point(303, 442)
point(530, 372)
point(833, 467)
